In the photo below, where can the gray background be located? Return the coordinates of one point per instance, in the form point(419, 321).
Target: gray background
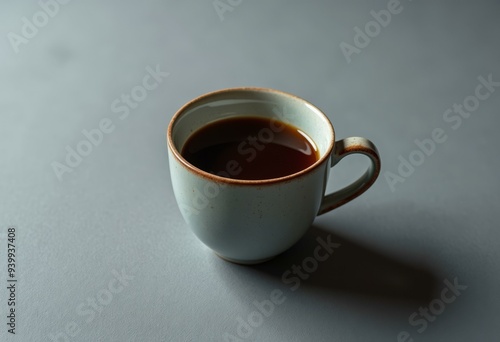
point(116, 211)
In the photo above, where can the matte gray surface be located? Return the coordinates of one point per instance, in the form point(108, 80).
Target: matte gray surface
point(115, 215)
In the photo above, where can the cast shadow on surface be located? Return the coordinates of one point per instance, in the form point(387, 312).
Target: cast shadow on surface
point(354, 269)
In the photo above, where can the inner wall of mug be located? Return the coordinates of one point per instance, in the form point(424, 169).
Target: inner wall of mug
point(253, 103)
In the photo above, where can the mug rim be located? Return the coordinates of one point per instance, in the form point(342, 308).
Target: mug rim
point(213, 177)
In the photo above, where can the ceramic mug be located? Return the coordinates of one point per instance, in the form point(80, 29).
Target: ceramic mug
point(251, 221)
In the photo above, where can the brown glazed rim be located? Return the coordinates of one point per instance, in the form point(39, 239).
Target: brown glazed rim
point(233, 181)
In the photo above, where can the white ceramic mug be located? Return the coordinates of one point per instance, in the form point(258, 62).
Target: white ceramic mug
point(251, 221)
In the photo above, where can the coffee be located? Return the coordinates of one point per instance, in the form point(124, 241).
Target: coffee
point(250, 148)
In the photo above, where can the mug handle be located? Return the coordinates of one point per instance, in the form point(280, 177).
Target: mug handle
point(344, 148)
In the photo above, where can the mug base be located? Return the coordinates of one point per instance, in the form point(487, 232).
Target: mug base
point(244, 262)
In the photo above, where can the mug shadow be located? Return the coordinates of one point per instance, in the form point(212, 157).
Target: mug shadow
point(352, 268)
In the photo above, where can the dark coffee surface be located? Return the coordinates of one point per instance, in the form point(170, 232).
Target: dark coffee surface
point(250, 148)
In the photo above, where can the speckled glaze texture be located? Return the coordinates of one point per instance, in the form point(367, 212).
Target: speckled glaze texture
point(251, 221)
